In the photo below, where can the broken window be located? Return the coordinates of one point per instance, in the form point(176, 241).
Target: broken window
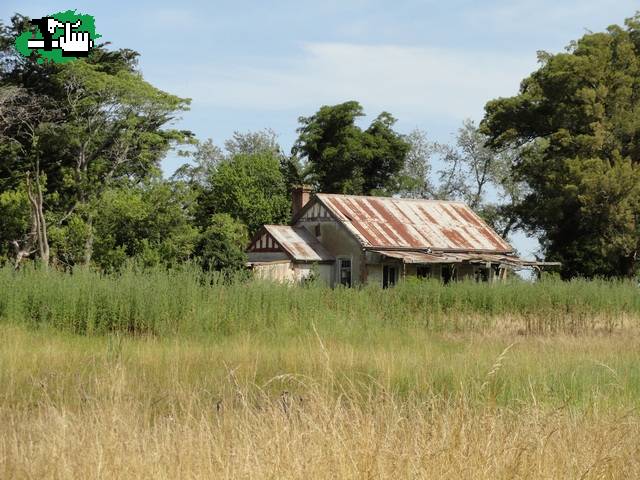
point(345, 272)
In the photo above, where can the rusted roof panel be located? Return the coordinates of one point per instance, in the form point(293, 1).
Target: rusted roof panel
point(299, 243)
point(423, 258)
point(406, 223)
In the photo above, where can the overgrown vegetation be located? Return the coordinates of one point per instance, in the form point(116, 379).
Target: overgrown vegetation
point(186, 300)
point(319, 404)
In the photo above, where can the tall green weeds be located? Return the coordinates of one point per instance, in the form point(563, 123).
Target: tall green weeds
point(187, 301)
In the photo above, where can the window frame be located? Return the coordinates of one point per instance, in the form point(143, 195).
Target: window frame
point(390, 275)
point(340, 268)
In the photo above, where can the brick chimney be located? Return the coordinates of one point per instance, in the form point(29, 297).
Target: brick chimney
point(300, 196)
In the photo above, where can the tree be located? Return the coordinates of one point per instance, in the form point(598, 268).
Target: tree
point(15, 219)
point(223, 243)
point(250, 143)
point(577, 119)
point(415, 181)
point(343, 158)
point(26, 118)
point(250, 179)
point(113, 131)
point(150, 222)
point(250, 188)
point(92, 124)
point(204, 161)
point(474, 172)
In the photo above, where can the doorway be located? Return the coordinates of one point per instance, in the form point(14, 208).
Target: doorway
point(447, 273)
point(389, 276)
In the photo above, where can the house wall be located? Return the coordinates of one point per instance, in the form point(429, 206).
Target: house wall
point(374, 276)
point(291, 272)
point(302, 271)
point(340, 244)
point(278, 272)
point(436, 270)
point(375, 265)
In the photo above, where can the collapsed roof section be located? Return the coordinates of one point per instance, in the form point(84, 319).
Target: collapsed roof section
point(424, 258)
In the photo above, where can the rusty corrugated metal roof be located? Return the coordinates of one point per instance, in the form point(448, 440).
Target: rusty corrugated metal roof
point(299, 243)
point(423, 257)
point(388, 222)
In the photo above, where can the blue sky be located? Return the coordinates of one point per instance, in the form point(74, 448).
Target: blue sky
point(248, 65)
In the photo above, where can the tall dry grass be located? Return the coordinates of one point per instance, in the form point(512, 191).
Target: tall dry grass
point(315, 436)
point(178, 374)
point(420, 406)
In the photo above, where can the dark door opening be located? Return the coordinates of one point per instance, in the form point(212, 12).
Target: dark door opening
point(389, 274)
point(447, 273)
point(423, 271)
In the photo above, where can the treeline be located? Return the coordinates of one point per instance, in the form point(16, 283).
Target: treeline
point(81, 145)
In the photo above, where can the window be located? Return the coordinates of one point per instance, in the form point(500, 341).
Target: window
point(423, 271)
point(345, 272)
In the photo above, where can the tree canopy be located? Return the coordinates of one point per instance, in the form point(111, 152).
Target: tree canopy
point(71, 132)
point(577, 121)
point(343, 158)
point(251, 188)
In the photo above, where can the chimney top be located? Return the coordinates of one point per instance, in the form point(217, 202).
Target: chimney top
point(300, 196)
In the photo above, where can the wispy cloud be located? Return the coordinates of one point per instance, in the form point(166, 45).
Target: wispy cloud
point(414, 80)
point(549, 17)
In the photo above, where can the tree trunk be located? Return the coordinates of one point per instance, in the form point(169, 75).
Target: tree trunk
point(39, 224)
point(88, 244)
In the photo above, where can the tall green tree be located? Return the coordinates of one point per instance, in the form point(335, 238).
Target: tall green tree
point(99, 125)
point(151, 223)
point(415, 179)
point(578, 119)
point(250, 188)
point(342, 158)
point(222, 245)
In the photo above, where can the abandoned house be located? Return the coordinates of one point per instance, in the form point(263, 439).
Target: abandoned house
point(354, 240)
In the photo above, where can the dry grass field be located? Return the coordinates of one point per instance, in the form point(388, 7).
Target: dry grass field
point(414, 406)
point(173, 375)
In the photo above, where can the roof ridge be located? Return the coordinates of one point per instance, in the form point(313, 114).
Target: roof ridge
point(391, 198)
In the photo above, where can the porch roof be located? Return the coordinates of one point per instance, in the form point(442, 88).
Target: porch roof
point(418, 257)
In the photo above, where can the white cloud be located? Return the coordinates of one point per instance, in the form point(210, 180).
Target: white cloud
point(422, 81)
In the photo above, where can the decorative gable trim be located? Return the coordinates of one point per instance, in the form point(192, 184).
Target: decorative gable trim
point(317, 206)
point(264, 242)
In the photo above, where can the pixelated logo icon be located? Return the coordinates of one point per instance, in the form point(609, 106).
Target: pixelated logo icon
point(59, 37)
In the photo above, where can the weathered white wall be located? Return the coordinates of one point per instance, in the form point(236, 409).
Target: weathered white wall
point(339, 243)
point(302, 271)
point(278, 272)
point(289, 272)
